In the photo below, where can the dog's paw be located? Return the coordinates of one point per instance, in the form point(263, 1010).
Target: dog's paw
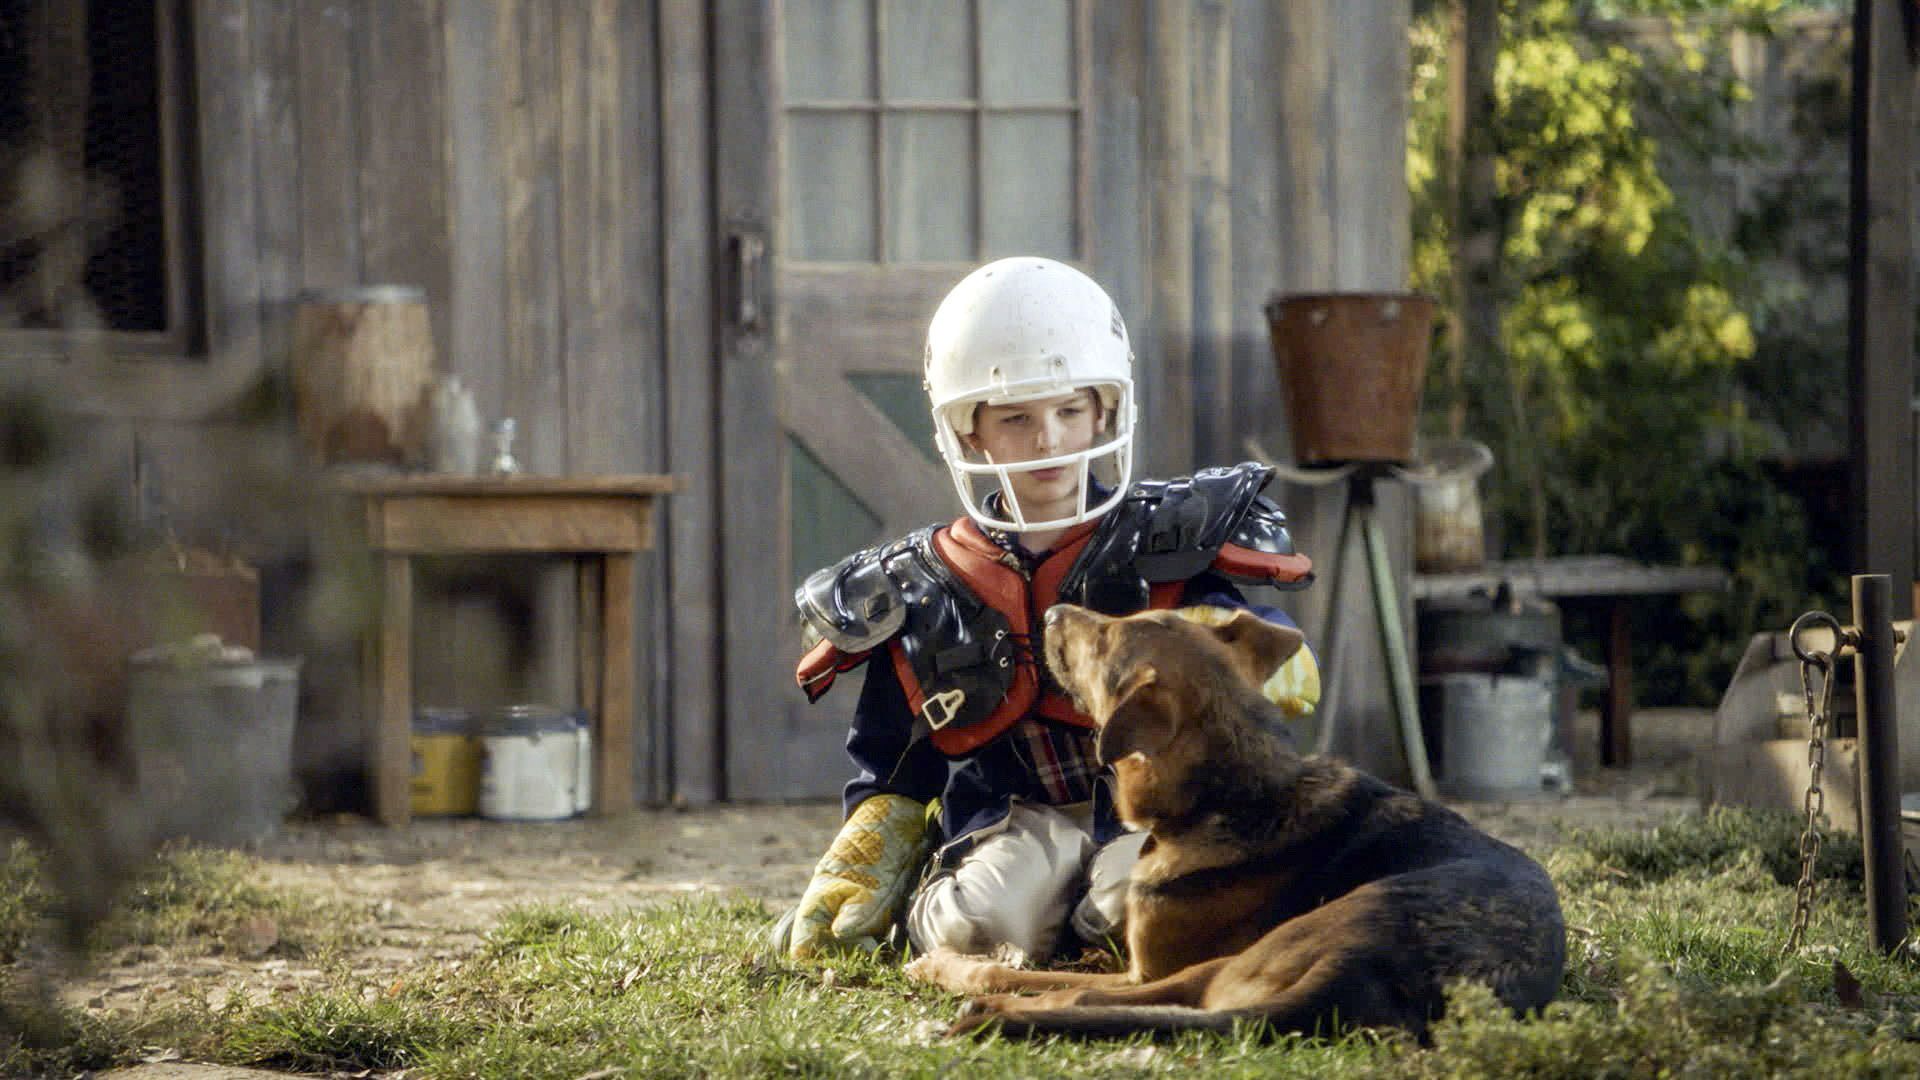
point(948, 970)
point(973, 1019)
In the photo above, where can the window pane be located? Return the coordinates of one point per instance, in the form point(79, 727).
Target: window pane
point(929, 50)
point(828, 49)
point(1030, 180)
point(929, 186)
point(830, 186)
point(1027, 52)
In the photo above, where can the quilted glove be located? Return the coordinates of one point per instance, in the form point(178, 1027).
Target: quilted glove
point(861, 884)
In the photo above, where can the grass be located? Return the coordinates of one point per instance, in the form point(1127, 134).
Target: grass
point(1674, 969)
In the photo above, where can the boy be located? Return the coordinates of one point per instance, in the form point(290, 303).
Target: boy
point(960, 732)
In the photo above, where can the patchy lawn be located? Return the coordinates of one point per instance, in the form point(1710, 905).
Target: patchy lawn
point(1674, 969)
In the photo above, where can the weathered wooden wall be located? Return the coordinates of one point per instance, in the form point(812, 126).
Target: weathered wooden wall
point(547, 171)
point(521, 162)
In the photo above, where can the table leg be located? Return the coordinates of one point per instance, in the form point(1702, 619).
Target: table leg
point(613, 757)
point(392, 749)
point(1616, 708)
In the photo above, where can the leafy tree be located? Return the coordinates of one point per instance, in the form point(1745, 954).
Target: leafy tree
point(1618, 401)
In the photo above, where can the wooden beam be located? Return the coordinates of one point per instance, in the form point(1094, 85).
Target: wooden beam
point(752, 471)
point(686, 175)
point(1212, 257)
point(1168, 406)
point(1880, 293)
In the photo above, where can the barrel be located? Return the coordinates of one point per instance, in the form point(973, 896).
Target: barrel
point(362, 366)
point(1351, 367)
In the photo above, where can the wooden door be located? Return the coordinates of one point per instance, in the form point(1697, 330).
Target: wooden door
point(869, 153)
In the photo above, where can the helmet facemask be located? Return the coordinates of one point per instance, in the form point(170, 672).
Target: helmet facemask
point(1107, 461)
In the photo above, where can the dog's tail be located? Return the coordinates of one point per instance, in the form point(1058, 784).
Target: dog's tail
point(1096, 1021)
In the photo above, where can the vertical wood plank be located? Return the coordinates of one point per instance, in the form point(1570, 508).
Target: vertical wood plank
point(1369, 124)
point(277, 176)
point(533, 390)
point(688, 307)
point(1213, 269)
point(403, 209)
point(477, 286)
point(608, 262)
point(613, 760)
point(1167, 409)
point(752, 462)
point(392, 753)
point(1306, 110)
point(1880, 295)
point(1259, 225)
point(228, 128)
point(327, 82)
point(534, 369)
point(1117, 244)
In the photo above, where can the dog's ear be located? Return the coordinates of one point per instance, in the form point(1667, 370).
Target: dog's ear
point(1259, 647)
point(1139, 723)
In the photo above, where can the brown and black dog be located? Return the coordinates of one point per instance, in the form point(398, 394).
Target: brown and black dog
point(1293, 891)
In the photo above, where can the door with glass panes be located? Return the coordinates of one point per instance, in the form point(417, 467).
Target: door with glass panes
point(910, 141)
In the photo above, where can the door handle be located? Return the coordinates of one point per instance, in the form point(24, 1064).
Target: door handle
point(749, 259)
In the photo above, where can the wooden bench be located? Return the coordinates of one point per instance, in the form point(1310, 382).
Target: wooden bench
point(1607, 580)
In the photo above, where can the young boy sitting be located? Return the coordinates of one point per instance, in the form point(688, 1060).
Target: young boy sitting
point(961, 738)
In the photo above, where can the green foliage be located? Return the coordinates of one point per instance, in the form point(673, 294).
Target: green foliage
point(1631, 341)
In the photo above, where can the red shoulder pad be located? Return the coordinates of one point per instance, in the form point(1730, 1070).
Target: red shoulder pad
point(1246, 563)
point(821, 665)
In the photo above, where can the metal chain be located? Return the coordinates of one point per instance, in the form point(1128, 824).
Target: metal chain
point(1819, 712)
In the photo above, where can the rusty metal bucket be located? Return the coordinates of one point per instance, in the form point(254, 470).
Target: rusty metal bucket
point(1351, 367)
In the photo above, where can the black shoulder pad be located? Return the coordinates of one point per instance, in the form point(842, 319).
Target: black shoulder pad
point(1169, 531)
point(856, 603)
point(1263, 528)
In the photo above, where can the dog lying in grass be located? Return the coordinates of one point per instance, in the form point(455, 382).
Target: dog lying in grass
point(1297, 892)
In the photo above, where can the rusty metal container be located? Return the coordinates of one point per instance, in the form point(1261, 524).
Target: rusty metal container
point(1351, 367)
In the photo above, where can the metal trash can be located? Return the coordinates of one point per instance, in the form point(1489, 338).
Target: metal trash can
point(211, 730)
point(1495, 732)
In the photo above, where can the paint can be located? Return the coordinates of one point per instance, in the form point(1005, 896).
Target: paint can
point(532, 764)
point(446, 763)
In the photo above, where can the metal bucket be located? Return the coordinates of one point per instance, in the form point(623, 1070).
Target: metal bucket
point(1351, 367)
point(1448, 533)
point(1495, 732)
point(213, 744)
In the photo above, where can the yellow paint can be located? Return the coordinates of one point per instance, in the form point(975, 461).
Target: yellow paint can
point(446, 763)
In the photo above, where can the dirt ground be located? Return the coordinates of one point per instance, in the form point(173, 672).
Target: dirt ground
point(439, 884)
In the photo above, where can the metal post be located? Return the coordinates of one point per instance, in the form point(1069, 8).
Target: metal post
point(1393, 638)
point(1879, 761)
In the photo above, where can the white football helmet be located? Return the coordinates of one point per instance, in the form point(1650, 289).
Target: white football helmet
point(1018, 330)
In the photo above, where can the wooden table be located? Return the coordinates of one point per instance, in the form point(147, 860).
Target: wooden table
point(601, 520)
point(1605, 579)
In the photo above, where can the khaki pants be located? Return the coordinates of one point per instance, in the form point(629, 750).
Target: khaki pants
point(1010, 894)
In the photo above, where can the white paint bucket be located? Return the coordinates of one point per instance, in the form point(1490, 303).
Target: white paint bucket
point(534, 765)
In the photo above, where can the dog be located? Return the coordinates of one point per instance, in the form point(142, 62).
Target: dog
point(1295, 892)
